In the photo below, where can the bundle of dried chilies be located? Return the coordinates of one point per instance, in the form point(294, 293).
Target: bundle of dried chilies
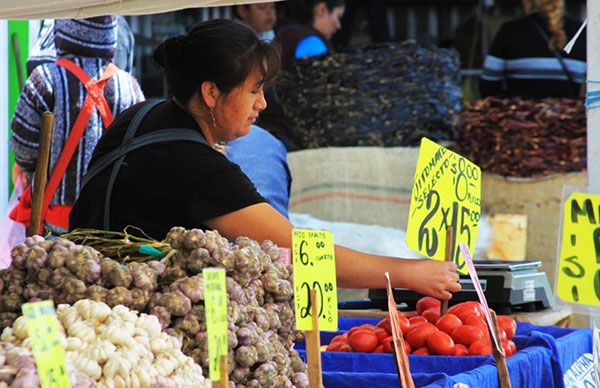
point(524, 138)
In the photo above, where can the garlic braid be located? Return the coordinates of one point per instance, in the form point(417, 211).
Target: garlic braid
point(552, 11)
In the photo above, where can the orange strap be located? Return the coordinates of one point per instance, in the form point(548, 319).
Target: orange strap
point(94, 99)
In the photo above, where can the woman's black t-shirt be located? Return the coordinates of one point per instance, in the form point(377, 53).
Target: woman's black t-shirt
point(160, 186)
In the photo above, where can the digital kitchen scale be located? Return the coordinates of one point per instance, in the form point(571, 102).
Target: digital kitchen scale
point(509, 286)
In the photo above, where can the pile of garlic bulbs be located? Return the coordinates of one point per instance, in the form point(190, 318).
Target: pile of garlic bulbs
point(118, 347)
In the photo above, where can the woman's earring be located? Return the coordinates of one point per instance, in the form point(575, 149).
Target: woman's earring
point(212, 116)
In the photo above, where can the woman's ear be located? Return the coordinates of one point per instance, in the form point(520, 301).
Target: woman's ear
point(321, 9)
point(210, 93)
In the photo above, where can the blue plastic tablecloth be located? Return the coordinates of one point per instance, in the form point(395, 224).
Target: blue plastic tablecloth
point(545, 353)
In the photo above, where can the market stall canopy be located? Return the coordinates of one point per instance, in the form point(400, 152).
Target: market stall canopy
point(78, 9)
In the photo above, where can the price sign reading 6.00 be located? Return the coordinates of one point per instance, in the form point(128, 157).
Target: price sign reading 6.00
point(578, 276)
point(215, 308)
point(446, 193)
point(313, 259)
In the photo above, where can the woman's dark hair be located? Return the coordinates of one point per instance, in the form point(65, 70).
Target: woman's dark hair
point(221, 51)
point(303, 10)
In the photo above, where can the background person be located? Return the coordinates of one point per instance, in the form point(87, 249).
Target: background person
point(308, 28)
point(261, 17)
point(263, 159)
point(215, 74)
point(44, 50)
point(527, 60)
point(89, 46)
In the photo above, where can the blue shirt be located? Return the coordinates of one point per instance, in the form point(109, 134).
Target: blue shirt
point(263, 158)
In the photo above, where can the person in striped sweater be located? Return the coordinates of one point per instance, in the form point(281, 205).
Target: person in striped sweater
point(527, 59)
point(90, 45)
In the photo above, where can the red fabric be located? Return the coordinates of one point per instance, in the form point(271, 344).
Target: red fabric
point(59, 214)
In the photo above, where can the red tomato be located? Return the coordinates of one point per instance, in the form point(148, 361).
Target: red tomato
point(432, 314)
point(467, 334)
point(338, 347)
point(417, 336)
point(387, 345)
point(460, 350)
point(416, 319)
point(448, 323)
point(480, 348)
point(427, 302)
point(385, 324)
point(381, 334)
point(402, 321)
point(345, 348)
point(503, 336)
point(333, 347)
point(506, 349)
point(440, 343)
point(475, 320)
point(378, 349)
point(512, 347)
point(466, 309)
point(478, 307)
point(368, 326)
point(507, 324)
point(339, 338)
point(421, 352)
point(363, 341)
point(353, 330)
point(410, 314)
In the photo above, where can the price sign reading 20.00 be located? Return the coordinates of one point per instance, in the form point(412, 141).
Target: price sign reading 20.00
point(446, 193)
point(578, 277)
point(313, 258)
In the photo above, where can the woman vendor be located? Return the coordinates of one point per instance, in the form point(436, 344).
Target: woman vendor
point(156, 166)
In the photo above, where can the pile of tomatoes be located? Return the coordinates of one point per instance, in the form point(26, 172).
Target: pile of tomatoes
point(462, 331)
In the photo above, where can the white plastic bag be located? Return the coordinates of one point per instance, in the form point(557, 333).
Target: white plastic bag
point(11, 232)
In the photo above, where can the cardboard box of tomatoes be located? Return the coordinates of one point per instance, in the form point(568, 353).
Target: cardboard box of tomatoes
point(463, 331)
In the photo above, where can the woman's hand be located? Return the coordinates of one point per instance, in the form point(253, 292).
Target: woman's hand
point(435, 278)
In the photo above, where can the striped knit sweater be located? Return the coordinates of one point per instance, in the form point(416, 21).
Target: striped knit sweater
point(52, 88)
point(520, 64)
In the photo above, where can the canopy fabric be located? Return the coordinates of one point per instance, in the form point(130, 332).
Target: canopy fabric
point(78, 9)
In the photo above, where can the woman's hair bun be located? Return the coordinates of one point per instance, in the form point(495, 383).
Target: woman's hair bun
point(170, 52)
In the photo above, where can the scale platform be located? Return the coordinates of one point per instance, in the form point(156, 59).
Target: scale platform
point(509, 286)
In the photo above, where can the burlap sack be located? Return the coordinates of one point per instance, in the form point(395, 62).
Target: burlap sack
point(366, 185)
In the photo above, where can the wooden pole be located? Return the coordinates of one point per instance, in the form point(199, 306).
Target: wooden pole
point(41, 174)
point(499, 358)
point(313, 344)
point(223, 372)
point(448, 257)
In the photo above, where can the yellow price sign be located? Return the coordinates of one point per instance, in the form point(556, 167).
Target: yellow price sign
point(215, 308)
point(578, 279)
point(313, 260)
point(48, 351)
point(446, 193)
